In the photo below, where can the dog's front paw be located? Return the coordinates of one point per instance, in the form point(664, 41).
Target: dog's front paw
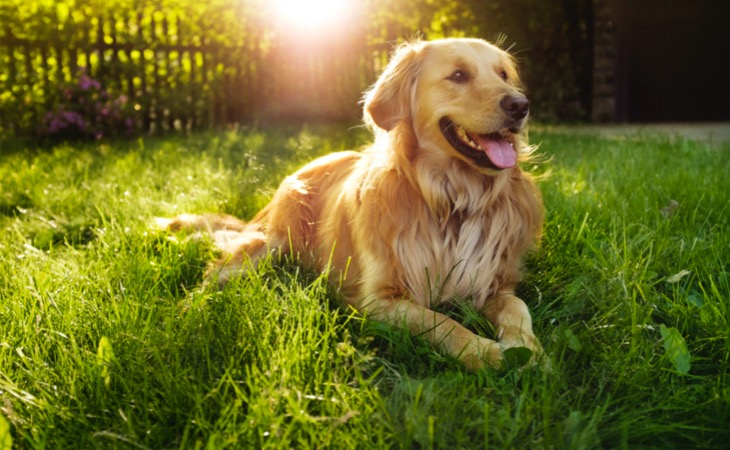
point(481, 353)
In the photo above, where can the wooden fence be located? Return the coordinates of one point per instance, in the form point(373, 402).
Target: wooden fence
point(173, 77)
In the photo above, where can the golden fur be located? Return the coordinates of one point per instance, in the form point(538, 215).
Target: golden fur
point(411, 222)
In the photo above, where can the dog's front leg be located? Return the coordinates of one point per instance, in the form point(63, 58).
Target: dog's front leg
point(511, 319)
point(442, 332)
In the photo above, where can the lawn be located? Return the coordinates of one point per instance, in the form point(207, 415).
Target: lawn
point(108, 340)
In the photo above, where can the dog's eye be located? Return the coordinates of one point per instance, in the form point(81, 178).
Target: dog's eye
point(503, 74)
point(459, 76)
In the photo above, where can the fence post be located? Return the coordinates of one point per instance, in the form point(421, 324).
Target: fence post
point(10, 41)
point(101, 70)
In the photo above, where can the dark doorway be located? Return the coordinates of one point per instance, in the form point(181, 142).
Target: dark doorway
point(673, 60)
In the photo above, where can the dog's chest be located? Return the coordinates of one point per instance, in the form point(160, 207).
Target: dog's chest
point(456, 258)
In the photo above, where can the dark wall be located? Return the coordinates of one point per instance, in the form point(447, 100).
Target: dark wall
point(674, 60)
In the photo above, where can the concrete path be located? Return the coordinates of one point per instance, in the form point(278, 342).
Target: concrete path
point(715, 133)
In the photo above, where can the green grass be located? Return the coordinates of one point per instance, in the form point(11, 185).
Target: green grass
point(108, 340)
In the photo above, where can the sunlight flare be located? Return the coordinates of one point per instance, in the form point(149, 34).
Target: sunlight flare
point(311, 15)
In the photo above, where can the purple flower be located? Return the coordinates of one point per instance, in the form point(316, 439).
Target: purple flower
point(55, 126)
point(86, 83)
point(88, 109)
point(71, 118)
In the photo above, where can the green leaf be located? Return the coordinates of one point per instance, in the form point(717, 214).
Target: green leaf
point(572, 427)
point(105, 356)
point(573, 341)
point(577, 285)
point(6, 440)
point(677, 276)
point(516, 357)
point(676, 349)
point(694, 298)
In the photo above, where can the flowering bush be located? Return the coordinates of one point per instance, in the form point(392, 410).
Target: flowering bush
point(88, 110)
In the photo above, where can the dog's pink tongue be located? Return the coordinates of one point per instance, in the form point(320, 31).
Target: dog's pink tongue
point(499, 151)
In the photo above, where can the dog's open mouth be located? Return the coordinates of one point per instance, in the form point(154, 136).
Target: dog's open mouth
point(491, 150)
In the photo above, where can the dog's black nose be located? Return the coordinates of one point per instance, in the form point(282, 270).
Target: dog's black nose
point(516, 106)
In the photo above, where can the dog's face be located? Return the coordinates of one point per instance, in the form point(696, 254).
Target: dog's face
point(461, 97)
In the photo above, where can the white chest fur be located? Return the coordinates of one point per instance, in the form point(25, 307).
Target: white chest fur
point(457, 259)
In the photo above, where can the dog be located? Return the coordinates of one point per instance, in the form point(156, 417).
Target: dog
point(436, 209)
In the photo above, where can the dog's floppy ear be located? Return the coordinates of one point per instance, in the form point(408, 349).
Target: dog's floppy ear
point(389, 100)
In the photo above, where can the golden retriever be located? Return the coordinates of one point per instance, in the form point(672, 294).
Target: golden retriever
point(435, 209)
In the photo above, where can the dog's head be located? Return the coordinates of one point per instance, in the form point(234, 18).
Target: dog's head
point(460, 98)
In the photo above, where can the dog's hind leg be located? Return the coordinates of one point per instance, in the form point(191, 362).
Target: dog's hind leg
point(242, 245)
point(207, 223)
point(241, 252)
